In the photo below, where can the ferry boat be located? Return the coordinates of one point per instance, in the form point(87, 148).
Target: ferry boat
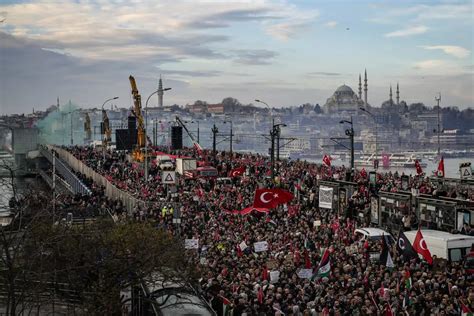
point(400, 160)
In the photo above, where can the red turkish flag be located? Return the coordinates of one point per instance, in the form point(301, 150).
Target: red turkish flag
point(271, 198)
point(260, 295)
point(237, 172)
point(265, 275)
point(418, 167)
point(327, 160)
point(441, 168)
point(419, 245)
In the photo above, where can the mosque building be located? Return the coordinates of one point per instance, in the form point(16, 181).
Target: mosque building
point(345, 99)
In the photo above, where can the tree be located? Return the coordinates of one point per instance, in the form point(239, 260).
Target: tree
point(44, 263)
point(99, 260)
point(317, 109)
point(19, 283)
point(230, 104)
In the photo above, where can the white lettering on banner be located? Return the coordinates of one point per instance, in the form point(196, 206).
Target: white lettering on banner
point(191, 243)
point(243, 246)
point(260, 246)
point(325, 197)
point(305, 273)
point(274, 276)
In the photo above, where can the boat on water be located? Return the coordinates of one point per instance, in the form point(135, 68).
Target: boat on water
point(398, 160)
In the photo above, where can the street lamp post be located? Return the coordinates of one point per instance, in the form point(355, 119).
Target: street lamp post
point(376, 137)
point(214, 131)
point(103, 136)
point(231, 134)
point(278, 142)
point(350, 133)
point(438, 99)
point(272, 119)
point(146, 126)
point(274, 132)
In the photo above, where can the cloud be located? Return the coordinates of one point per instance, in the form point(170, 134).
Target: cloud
point(387, 13)
point(456, 51)
point(439, 67)
point(285, 31)
point(155, 30)
point(299, 22)
point(323, 73)
point(415, 30)
point(331, 24)
point(254, 56)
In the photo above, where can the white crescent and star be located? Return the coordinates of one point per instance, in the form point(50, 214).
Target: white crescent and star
point(423, 244)
point(262, 197)
point(401, 243)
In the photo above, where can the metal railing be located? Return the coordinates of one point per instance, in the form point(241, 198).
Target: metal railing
point(76, 185)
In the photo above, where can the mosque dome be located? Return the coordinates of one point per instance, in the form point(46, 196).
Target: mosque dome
point(345, 90)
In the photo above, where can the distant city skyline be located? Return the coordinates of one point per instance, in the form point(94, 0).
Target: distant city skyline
point(284, 52)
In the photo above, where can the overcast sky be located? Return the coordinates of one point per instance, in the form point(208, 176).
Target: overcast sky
point(283, 52)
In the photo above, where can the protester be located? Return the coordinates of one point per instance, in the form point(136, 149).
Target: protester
point(238, 280)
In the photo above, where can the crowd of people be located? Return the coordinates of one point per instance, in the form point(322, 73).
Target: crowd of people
point(239, 280)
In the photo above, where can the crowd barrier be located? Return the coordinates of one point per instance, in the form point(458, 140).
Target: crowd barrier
point(130, 203)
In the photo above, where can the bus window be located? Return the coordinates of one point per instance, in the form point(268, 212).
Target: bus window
point(455, 254)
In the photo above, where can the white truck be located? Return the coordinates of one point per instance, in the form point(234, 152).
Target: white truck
point(164, 162)
point(185, 164)
point(452, 247)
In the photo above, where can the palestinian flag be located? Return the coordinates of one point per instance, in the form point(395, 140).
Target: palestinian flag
point(225, 304)
point(385, 257)
point(324, 267)
point(406, 300)
point(408, 282)
point(465, 311)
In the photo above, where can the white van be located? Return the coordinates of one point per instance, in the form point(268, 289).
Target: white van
point(375, 234)
point(452, 247)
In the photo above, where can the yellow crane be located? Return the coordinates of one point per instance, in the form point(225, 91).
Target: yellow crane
point(87, 127)
point(137, 112)
point(107, 131)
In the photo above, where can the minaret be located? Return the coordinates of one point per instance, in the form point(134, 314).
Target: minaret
point(365, 88)
point(360, 88)
point(57, 103)
point(391, 100)
point(160, 93)
point(398, 95)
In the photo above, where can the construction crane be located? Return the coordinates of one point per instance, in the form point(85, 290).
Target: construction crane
point(87, 127)
point(195, 143)
point(106, 126)
point(137, 112)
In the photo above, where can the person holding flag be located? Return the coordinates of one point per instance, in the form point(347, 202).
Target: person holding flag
point(440, 172)
point(404, 247)
point(420, 246)
point(327, 160)
point(385, 257)
point(237, 172)
point(271, 198)
point(419, 170)
point(324, 267)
